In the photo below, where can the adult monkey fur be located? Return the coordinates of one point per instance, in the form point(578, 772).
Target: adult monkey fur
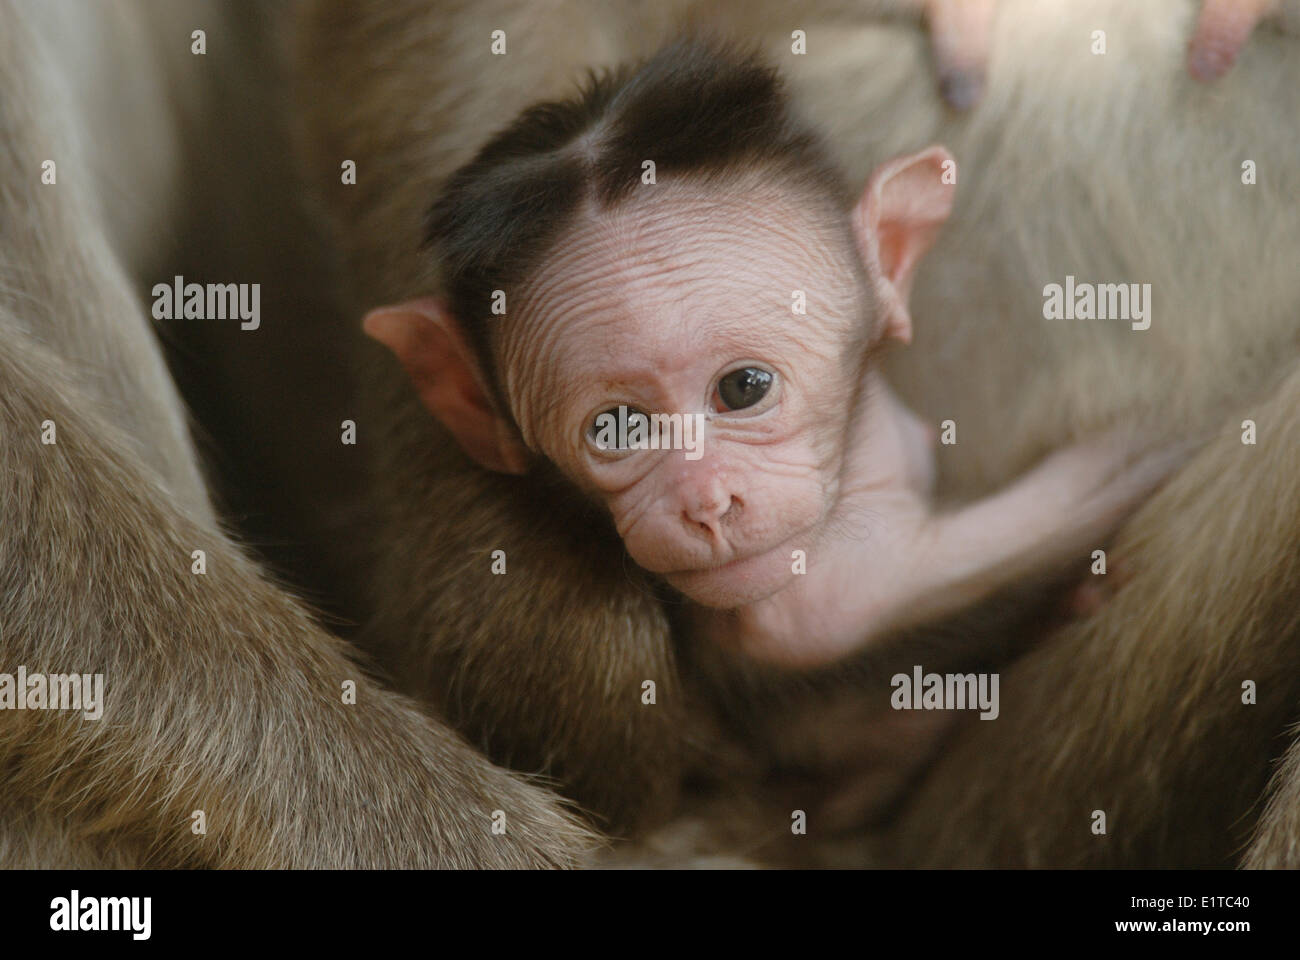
point(112, 823)
point(221, 694)
point(1110, 167)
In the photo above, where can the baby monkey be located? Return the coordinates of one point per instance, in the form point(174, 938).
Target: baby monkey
point(641, 247)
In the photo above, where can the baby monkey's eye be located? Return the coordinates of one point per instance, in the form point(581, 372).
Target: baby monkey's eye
point(742, 388)
point(619, 430)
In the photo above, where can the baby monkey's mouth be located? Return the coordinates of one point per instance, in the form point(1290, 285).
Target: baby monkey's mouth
point(741, 578)
point(723, 567)
point(728, 557)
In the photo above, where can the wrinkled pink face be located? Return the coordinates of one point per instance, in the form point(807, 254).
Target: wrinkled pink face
point(683, 304)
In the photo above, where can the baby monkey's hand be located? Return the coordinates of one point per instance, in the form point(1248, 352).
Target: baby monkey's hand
point(890, 562)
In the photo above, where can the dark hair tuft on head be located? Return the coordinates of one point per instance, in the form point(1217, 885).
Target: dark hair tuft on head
point(697, 108)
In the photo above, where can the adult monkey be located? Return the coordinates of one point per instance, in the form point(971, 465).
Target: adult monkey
point(1042, 186)
point(220, 694)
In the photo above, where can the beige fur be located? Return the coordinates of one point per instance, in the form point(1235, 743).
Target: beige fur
point(222, 694)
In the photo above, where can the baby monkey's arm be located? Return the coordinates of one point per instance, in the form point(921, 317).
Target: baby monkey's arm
point(890, 562)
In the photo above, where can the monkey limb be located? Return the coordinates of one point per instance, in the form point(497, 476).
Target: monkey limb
point(1196, 575)
point(890, 563)
point(259, 739)
point(222, 696)
point(561, 690)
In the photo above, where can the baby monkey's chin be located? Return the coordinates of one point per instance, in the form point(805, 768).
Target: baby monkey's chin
point(738, 583)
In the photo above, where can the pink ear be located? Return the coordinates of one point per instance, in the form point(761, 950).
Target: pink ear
point(427, 341)
point(896, 221)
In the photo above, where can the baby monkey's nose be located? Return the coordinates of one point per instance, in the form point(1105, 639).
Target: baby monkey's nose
point(710, 511)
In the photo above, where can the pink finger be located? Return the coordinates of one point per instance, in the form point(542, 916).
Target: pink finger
point(1222, 30)
point(961, 35)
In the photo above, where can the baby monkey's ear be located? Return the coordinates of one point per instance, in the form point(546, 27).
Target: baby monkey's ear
point(896, 221)
point(427, 340)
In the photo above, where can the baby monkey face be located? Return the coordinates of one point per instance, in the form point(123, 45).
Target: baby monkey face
point(692, 362)
point(693, 359)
